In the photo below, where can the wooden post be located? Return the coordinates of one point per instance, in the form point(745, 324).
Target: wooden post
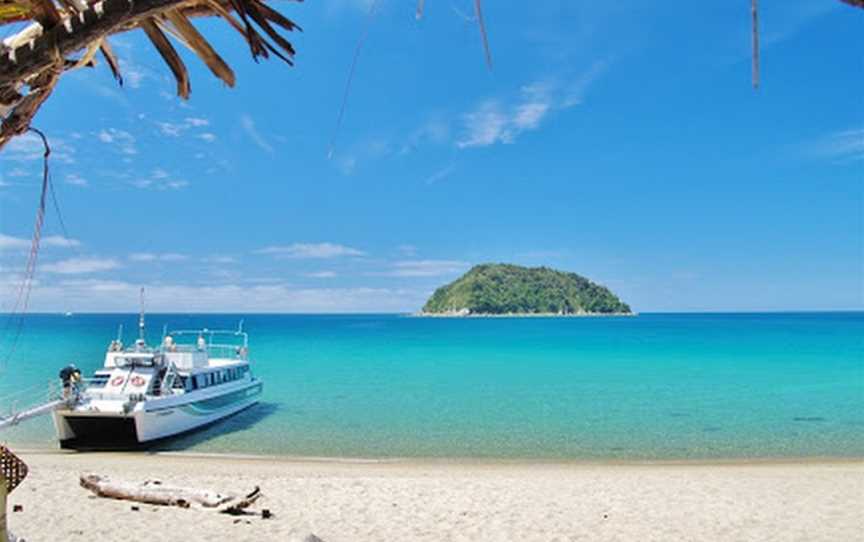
point(4, 536)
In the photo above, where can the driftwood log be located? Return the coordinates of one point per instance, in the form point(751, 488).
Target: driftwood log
point(155, 492)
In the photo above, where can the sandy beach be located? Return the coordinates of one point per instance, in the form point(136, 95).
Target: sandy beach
point(410, 500)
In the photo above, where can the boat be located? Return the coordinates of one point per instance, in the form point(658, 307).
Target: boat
point(144, 395)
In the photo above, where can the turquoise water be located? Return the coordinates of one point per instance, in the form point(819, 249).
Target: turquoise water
point(656, 386)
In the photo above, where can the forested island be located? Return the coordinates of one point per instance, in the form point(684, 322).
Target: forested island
point(503, 289)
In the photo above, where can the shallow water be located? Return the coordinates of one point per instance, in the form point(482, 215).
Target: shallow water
point(656, 386)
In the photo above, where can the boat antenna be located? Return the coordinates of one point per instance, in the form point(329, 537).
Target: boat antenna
point(141, 318)
point(120, 333)
point(240, 327)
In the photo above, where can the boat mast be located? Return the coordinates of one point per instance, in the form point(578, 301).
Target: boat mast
point(141, 319)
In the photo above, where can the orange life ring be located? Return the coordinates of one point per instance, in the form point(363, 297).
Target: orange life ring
point(137, 381)
point(117, 380)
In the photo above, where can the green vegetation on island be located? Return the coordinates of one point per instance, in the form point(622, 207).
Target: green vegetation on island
point(501, 289)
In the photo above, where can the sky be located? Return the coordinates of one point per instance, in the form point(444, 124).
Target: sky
point(619, 140)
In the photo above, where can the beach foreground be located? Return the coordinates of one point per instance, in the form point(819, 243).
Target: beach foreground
point(356, 501)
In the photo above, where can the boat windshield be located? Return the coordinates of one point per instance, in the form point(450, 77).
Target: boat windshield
point(136, 361)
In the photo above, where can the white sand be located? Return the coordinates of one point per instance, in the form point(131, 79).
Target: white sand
point(403, 501)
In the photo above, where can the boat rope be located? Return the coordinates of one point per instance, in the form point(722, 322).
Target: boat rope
point(373, 10)
point(479, 13)
point(15, 318)
point(41, 392)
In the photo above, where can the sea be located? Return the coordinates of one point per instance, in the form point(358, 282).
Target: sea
point(647, 387)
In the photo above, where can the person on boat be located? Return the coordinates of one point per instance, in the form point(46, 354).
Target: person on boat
point(69, 376)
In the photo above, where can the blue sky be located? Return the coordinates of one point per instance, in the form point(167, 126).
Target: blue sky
point(620, 140)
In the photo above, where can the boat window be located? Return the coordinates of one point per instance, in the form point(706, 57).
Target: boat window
point(201, 381)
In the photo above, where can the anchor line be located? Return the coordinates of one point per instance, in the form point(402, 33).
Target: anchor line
point(22, 300)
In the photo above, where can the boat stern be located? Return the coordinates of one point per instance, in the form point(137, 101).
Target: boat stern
point(83, 430)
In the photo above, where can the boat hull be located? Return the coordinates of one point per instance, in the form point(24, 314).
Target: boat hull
point(156, 422)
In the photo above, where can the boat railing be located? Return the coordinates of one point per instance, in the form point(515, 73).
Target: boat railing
point(209, 334)
point(214, 350)
point(22, 399)
point(23, 404)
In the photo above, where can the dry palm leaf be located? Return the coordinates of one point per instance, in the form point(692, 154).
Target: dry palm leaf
point(196, 42)
point(169, 55)
point(68, 34)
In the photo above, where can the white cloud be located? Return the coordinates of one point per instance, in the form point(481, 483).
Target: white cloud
point(76, 180)
point(159, 179)
point(426, 268)
point(143, 257)
point(134, 74)
point(178, 128)
point(529, 115)
point(494, 121)
point(13, 243)
point(220, 259)
point(151, 257)
point(120, 296)
point(321, 275)
point(406, 249)
point(197, 122)
point(248, 126)
point(8, 242)
point(77, 266)
point(121, 140)
point(170, 129)
point(843, 146)
point(59, 241)
point(310, 251)
point(485, 126)
point(435, 130)
point(208, 137)
point(440, 175)
point(575, 92)
point(787, 22)
point(29, 147)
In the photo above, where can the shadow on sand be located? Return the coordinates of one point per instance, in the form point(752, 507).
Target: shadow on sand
point(241, 421)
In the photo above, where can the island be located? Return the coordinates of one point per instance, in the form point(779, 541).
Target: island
point(512, 290)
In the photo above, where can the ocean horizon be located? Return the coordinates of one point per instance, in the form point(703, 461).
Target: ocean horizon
point(657, 386)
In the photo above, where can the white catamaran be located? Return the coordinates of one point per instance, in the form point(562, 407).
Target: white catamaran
point(144, 394)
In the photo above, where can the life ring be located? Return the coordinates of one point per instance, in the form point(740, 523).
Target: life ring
point(137, 381)
point(117, 380)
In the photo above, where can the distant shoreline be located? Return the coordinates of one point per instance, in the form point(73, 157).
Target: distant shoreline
point(456, 314)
